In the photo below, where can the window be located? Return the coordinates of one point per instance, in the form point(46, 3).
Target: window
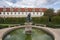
point(0, 12)
point(4, 13)
point(7, 13)
point(18, 12)
point(11, 12)
point(41, 13)
point(24, 13)
point(37, 13)
point(15, 13)
point(33, 13)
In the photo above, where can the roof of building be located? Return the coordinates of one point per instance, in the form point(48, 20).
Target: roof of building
point(23, 9)
point(1, 9)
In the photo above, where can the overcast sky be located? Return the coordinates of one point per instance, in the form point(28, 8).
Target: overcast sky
point(31, 3)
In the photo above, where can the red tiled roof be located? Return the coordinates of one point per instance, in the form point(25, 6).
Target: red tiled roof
point(44, 9)
point(24, 9)
point(7, 9)
point(15, 9)
point(37, 9)
point(30, 9)
point(40, 9)
point(1, 9)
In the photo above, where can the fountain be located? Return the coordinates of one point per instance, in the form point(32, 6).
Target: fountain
point(28, 33)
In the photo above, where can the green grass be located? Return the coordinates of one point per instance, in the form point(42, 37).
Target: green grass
point(9, 24)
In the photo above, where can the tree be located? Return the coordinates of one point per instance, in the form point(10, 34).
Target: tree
point(49, 12)
point(58, 12)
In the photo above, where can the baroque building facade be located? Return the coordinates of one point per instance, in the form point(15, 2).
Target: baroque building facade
point(22, 12)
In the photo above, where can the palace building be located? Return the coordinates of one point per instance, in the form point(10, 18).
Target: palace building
point(22, 12)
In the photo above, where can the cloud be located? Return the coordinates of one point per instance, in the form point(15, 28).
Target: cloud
point(30, 3)
point(23, 3)
point(4, 3)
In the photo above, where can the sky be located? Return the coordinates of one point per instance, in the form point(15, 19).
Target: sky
point(31, 3)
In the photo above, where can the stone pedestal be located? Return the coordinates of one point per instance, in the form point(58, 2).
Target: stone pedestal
point(28, 28)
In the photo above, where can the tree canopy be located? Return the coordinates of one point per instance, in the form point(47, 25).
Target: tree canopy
point(49, 12)
point(58, 12)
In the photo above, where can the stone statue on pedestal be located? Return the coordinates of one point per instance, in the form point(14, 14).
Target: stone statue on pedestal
point(28, 28)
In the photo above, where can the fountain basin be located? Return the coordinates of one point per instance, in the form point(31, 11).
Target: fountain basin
point(37, 34)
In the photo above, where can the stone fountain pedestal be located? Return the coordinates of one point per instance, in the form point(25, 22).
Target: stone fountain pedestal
point(28, 27)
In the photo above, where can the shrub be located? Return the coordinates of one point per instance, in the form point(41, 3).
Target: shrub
point(3, 26)
point(12, 20)
point(40, 20)
point(56, 20)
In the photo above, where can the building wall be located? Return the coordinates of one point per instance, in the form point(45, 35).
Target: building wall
point(21, 14)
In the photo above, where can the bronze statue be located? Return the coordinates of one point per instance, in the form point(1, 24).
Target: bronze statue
point(29, 18)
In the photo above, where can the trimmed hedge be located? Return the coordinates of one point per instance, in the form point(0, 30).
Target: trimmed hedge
point(40, 20)
point(1, 20)
point(56, 20)
point(35, 20)
point(3, 26)
point(12, 20)
point(22, 20)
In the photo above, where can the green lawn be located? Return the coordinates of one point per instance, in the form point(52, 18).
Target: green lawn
point(9, 24)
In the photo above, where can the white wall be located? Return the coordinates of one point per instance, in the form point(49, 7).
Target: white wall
point(21, 14)
point(2, 13)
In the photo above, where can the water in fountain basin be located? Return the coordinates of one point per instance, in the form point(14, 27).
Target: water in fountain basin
point(20, 35)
